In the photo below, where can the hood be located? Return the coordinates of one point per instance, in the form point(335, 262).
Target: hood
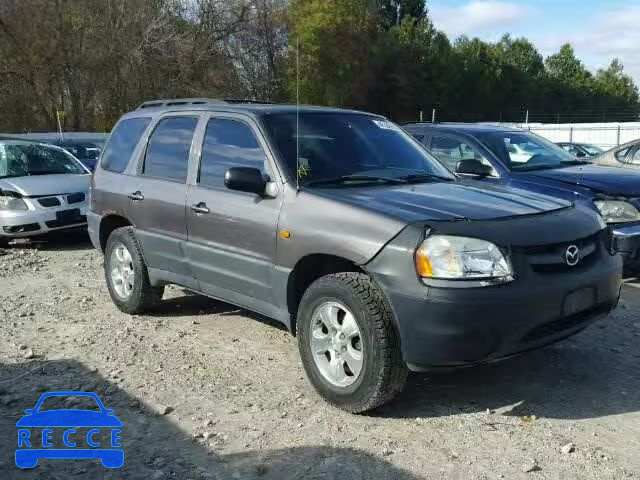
point(40, 185)
point(446, 201)
point(607, 180)
point(69, 418)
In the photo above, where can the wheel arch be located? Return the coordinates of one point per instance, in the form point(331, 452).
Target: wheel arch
point(108, 224)
point(306, 271)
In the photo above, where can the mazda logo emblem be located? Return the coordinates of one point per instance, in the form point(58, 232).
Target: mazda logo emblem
point(572, 255)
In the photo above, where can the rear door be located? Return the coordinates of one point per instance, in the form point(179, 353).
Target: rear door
point(157, 203)
point(232, 235)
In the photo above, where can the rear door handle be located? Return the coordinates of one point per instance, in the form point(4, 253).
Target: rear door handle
point(136, 196)
point(200, 208)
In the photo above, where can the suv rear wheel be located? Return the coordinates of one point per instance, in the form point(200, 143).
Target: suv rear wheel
point(126, 274)
point(348, 342)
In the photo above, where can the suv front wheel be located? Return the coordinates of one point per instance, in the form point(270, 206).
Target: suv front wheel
point(126, 274)
point(348, 342)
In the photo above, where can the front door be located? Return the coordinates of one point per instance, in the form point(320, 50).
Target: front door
point(231, 235)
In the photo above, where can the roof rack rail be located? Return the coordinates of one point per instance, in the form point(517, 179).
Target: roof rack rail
point(181, 102)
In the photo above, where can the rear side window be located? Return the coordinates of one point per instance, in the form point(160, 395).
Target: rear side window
point(228, 143)
point(167, 154)
point(122, 143)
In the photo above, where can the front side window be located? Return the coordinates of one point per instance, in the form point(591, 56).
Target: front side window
point(622, 154)
point(339, 147)
point(228, 143)
point(523, 151)
point(450, 151)
point(122, 143)
point(635, 158)
point(167, 154)
point(30, 159)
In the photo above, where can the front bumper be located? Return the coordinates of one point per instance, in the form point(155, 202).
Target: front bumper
point(38, 220)
point(627, 242)
point(451, 326)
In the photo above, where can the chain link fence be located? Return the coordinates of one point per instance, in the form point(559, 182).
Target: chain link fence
point(604, 135)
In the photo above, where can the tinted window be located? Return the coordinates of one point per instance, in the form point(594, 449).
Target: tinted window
point(168, 150)
point(636, 156)
point(332, 145)
point(122, 143)
point(450, 151)
point(228, 143)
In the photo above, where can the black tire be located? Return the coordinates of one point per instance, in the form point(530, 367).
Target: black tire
point(143, 298)
point(4, 242)
point(384, 372)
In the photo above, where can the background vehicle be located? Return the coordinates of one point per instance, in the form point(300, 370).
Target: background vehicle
point(348, 232)
point(484, 152)
point(43, 189)
point(85, 146)
point(581, 150)
point(627, 155)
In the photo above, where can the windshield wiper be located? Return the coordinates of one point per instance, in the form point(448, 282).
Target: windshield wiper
point(416, 177)
point(576, 162)
point(357, 178)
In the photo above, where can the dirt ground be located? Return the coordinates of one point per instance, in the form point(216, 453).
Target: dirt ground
point(208, 391)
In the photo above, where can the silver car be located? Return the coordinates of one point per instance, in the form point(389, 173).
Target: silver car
point(43, 189)
point(627, 155)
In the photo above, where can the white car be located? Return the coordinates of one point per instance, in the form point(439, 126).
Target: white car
point(43, 189)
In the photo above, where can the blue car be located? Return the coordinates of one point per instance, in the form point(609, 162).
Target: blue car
point(36, 429)
point(518, 158)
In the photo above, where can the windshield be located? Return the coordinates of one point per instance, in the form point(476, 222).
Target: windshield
point(351, 147)
point(19, 160)
point(521, 151)
point(592, 149)
point(82, 151)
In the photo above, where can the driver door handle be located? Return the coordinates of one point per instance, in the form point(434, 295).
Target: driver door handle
point(136, 196)
point(200, 208)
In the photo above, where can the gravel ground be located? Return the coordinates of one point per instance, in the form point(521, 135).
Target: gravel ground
point(208, 391)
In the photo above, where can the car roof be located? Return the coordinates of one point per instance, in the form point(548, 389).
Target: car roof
point(251, 107)
point(470, 128)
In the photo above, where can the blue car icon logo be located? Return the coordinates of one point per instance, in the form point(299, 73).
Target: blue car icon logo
point(84, 433)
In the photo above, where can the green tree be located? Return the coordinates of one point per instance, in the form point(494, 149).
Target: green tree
point(338, 46)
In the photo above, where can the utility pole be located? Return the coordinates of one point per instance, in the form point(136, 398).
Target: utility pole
point(433, 115)
point(58, 112)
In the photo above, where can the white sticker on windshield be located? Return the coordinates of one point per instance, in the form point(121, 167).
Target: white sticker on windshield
point(385, 124)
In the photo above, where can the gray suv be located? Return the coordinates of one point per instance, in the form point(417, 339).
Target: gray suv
point(345, 229)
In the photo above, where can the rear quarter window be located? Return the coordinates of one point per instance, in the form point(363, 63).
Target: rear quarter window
point(122, 143)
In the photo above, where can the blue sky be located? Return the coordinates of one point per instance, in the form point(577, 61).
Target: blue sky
point(599, 30)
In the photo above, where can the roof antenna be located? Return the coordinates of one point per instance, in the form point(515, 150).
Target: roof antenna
point(298, 113)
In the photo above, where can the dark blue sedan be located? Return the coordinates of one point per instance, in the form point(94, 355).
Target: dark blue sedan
point(518, 158)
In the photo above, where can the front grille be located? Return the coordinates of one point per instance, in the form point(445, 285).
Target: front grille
point(66, 222)
point(75, 198)
point(552, 258)
point(567, 323)
point(49, 202)
point(29, 227)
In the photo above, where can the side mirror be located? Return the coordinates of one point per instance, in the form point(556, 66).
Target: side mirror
point(581, 154)
point(473, 167)
point(29, 411)
point(245, 179)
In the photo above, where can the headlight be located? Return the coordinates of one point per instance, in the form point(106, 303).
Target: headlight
point(448, 257)
point(617, 211)
point(12, 203)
